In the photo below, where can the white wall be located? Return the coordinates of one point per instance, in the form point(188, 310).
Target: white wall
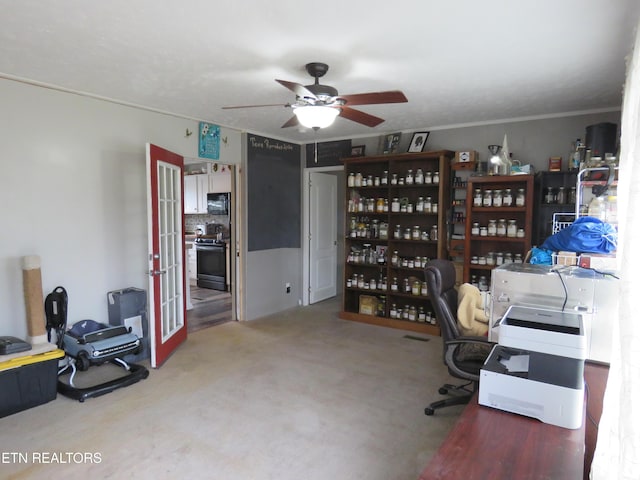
point(73, 190)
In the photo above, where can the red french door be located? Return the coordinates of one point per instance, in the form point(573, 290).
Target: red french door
point(167, 280)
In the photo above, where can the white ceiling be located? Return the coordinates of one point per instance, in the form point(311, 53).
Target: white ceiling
point(458, 62)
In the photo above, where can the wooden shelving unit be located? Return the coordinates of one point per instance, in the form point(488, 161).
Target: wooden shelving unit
point(481, 246)
point(370, 277)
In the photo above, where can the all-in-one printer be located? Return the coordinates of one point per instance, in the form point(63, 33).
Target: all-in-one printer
point(537, 367)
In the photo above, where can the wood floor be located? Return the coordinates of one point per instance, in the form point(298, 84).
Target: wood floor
point(210, 308)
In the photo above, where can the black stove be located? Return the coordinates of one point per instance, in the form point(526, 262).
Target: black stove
point(209, 241)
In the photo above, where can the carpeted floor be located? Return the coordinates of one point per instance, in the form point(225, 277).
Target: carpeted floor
point(298, 395)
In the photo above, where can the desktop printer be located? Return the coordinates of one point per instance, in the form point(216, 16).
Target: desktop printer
point(537, 367)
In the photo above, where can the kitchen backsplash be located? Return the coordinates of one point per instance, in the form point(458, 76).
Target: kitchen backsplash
point(192, 220)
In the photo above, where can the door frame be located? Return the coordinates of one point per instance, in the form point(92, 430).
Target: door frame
point(306, 228)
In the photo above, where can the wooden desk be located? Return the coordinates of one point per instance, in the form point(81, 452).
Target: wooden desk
point(489, 444)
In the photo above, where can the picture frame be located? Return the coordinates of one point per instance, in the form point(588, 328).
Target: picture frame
point(357, 150)
point(391, 142)
point(418, 141)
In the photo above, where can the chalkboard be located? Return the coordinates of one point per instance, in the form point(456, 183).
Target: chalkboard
point(329, 153)
point(274, 194)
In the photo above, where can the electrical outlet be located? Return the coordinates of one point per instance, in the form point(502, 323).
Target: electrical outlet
point(288, 287)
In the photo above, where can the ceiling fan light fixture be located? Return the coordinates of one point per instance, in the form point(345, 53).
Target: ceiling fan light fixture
point(316, 116)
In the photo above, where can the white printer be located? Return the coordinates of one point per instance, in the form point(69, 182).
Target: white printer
point(537, 368)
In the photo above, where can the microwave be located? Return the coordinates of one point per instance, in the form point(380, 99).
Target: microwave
point(218, 203)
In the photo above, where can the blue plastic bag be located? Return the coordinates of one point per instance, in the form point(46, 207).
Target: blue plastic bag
point(585, 235)
point(540, 257)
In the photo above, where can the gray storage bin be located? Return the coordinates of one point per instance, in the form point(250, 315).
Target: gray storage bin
point(128, 307)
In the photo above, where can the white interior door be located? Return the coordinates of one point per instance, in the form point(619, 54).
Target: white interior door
point(323, 242)
point(167, 305)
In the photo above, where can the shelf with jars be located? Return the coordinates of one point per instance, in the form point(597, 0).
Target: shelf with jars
point(394, 221)
point(499, 225)
point(555, 194)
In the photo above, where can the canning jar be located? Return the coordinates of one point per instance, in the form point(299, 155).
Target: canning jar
point(427, 205)
point(502, 228)
point(475, 228)
point(415, 233)
point(358, 180)
point(520, 198)
point(497, 198)
point(351, 180)
point(492, 229)
point(507, 198)
point(395, 205)
point(407, 234)
point(409, 177)
point(420, 205)
point(487, 198)
point(419, 178)
point(477, 197)
point(436, 177)
point(561, 196)
point(512, 229)
point(483, 231)
point(428, 177)
point(385, 178)
point(433, 235)
point(548, 195)
point(394, 179)
point(397, 232)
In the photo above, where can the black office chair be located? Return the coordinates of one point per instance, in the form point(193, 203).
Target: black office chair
point(463, 356)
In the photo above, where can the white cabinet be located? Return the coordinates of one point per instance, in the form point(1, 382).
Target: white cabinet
point(196, 188)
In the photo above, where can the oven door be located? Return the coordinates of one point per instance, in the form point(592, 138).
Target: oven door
point(211, 266)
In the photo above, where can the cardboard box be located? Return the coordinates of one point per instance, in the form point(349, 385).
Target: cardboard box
point(368, 304)
point(555, 164)
point(28, 381)
point(599, 261)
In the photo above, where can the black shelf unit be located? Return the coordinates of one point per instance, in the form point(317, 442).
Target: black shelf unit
point(545, 209)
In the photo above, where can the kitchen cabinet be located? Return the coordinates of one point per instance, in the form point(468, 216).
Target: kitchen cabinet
point(395, 223)
point(196, 188)
point(496, 231)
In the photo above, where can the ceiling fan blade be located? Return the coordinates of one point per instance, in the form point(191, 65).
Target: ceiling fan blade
point(391, 96)
point(359, 116)
point(256, 106)
point(299, 90)
point(292, 122)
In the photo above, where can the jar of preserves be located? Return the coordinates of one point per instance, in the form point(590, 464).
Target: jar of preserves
point(407, 234)
point(474, 260)
point(499, 258)
point(406, 286)
point(395, 205)
point(420, 205)
point(520, 233)
point(433, 234)
point(434, 208)
point(484, 231)
point(393, 312)
point(394, 179)
point(397, 233)
point(436, 177)
point(517, 258)
point(380, 205)
point(384, 231)
point(421, 315)
point(502, 228)
point(508, 258)
point(491, 259)
point(369, 181)
point(415, 233)
point(385, 178)
point(394, 284)
point(395, 258)
point(376, 181)
point(475, 228)
point(428, 178)
point(413, 313)
point(415, 288)
point(512, 229)
point(423, 289)
point(561, 196)
point(419, 178)
point(520, 198)
point(487, 198)
point(361, 281)
point(507, 198)
point(351, 180)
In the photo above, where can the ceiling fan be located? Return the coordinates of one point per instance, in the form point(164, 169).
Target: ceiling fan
point(317, 105)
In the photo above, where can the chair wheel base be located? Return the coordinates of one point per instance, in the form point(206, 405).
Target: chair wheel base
point(443, 391)
point(429, 411)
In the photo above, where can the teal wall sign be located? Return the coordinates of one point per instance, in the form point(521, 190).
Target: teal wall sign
point(209, 141)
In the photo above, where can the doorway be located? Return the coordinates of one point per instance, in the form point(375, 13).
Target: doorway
point(211, 277)
point(309, 199)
